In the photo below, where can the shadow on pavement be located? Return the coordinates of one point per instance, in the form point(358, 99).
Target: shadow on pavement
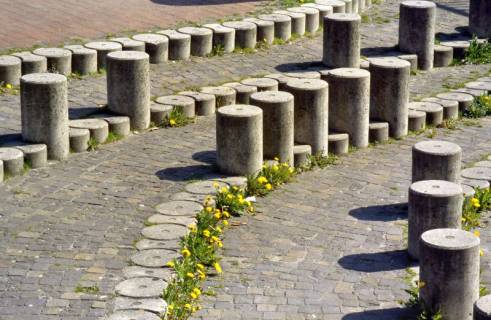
point(177, 3)
point(185, 173)
point(389, 212)
point(382, 314)
point(209, 156)
point(376, 262)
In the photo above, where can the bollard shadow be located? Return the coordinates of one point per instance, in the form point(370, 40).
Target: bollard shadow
point(388, 212)
point(379, 51)
point(377, 261)
point(83, 112)
point(209, 156)
point(182, 3)
point(461, 34)
point(383, 314)
point(10, 138)
point(452, 9)
point(185, 173)
point(300, 66)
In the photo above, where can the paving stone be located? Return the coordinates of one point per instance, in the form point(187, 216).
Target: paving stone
point(179, 208)
point(164, 232)
point(478, 173)
point(205, 187)
point(153, 258)
point(152, 305)
point(141, 287)
point(162, 219)
point(138, 272)
point(133, 315)
point(147, 244)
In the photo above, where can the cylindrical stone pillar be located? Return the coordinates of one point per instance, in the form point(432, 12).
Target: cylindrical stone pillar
point(156, 46)
point(311, 112)
point(480, 18)
point(184, 103)
point(223, 37)
point(450, 107)
point(349, 6)
point(243, 92)
point(128, 86)
point(449, 269)
point(103, 48)
point(432, 204)
point(459, 48)
point(281, 78)
point(482, 308)
point(338, 143)
point(245, 33)
point(465, 100)
point(298, 21)
point(224, 96)
point(301, 154)
point(436, 160)
point(84, 60)
point(349, 99)
point(239, 139)
point(341, 47)
point(10, 70)
point(389, 96)
point(59, 60)
point(44, 109)
point(204, 103)
point(265, 30)
point(434, 111)
point(32, 63)
point(262, 84)
point(179, 44)
point(416, 120)
point(417, 30)
point(201, 40)
point(311, 17)
point(443, 56)
point(130, 44)
point(277, 109)
point(282, 25)
point(338, 6)
point(324, 10)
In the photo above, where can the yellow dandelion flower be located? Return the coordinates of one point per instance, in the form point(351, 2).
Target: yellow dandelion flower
point(190, 275)
point(214, 239)
point(170, 264)
point(220, 244)
point(477, 233)
point(200, 266)
point(217, 215)
point(224, 189)
point(197, 291)
point(209, 209)
point(193, 295)
point(421, 284)
point(291, 170)
point(230, 196)
point(262, 180)
point(275, 168)
point(268, 186)
point(216, 185)
point(170, 307)
point(225, 222)
point(172, 122)
point(206, 233)
point(481, 253)
point(251, 209)
point(217, 267)
point(185, 253)
point(219, 229)
point(226, 214)
point(8, 86)
point(276, 159)
point(187, 306)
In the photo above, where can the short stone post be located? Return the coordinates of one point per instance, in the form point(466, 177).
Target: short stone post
point(482, 308)
point(84, 60)
point(311, 113)
point(389, 96)
point(349, 99)
point(436, 160)
point(201, 40)
point(311, 17)
point(44, 109)
point(103, 48)
point(341, 47)
point(128, 86)
point(449, 269)
point(239, 139)
point(129, 44)
point(59, 60)
point(223, 37)
point(298, 21)
point(156, 46)
point(277, 109)
point(179, 44)
point(432, 204)
point(10, 70)
point(282, 25)
point(245, 33)
point(480, 18)
point(243, 92)
point(338, 6)
point(265, 30)
point(417, 30)
point(443, 56)
point(324, 10)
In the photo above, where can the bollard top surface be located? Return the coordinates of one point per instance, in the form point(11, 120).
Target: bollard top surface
point(260, 22)
point(378, 125)
point(240, 87)
point(259, 82)
point(302, 148)
point(472, 92)
point(305, 10)
point(389, 63)
point(80, 50)
point(303, 74)
point(240, 111)
point(320, 7)
point(439, 47)
point(275, 17)
point(292, 14)
point(482, 184)
point(449, 239)
point(43, 78)
point(128, 55)
point(218, 28)
point(349, 17)
point(436, 188)
point(456, 44)
point(174, 35)
point(479, 85)
point(28, 56)
point(198, 31)
point(272, 96)
point(198, 96)
point(425, 106)
point(104, 45)
point(240, 25)
point(10, 154)
point(487, 79)
point(337, 136)
point(281, 78)
point(160, 107)
point(443, 102)
point(88, 123)
point(332, 3)
point(479, 173)
point(437, 147)
point(175, 100)
point(468, 191)
point(416, 114)
point(219, 90)
point(457, 96)
point(350, 73)
point(76, 132)
point(128, 42)
point(52, 52)
point(483, 305)
point(151, 38)
point(307, 84)
point(418, 4)
point(9, 61)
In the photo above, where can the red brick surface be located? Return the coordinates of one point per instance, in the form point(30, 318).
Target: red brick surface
point(24, 23)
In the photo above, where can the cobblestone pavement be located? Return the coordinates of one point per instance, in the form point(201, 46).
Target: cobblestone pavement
point(25, 23)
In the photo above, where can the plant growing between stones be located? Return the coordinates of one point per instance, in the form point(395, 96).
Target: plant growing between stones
point(176, 118)
point(481, 107)
point(89, 290)
point(217, 50)
point(270, 177)
point(320, 160)
point(113, 137)
point(473, 208)
point(92, 145)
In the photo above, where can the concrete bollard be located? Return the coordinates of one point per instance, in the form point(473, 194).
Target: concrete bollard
point(459, 48)
point(450, 107)
point(449, 268)
point(201, 40)
point(32, 63)
point(412, 59)
point(301, 74)
point(179, 44)
point(324, 10)
point(282, 25)
point(432, 204)
point(465, 100)
point(341, 46)
point(245, 33)
point(416, 120)
point(348, 6)
point(223, 37)
point(156, 46)
point(281, 78)
point(472, 92)
point(103, 48)
point(128, 86)
point(35, 155)
point(480, 18)
point(338, 143)
point(224, 96)
point(79, 140)
point(184, 103)
point(239, 139)
point(159, 113)
point(204, 103)
point(262, 84)
point(129, 44)
point(378, 132)
point(311, 17)
point(434, 111)
point(355, 6)
point(84, 60)
point(277, 109)
point(482, 308)
point(44, 109)
point(418, 40)
point(443, 56)
point(119, 125)
point(389, 96)
point(59, 60)
point(301, 154)
point(338, 6)
point(1, 171)
point(298, 21)
point(10, 70)
point(13, 161)
point(98, 128)
point(265, 30)
point(349, 100)
point(436, 160)
point(311, 112)
point(243, 92)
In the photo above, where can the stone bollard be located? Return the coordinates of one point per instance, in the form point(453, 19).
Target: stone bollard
point(412, 59)
point(224, 96)
point(389, 96)
point(35, 155)
point(449, 269)
point(1, 171)
point(265, 30)
point(201, 40)
point(277, 109)
point(103, 48)
point(204, 103)
point(482, 308)
point(59, 60)
point(129, 44)
point(84, 60)
point(338, 143)
point(459, 47)
point(311, 17)
point(10, 70)
point(338, 6)
point(156, 46)
point(378, 132)
point(324, 10)
point(239, 139)
point(282, 25)
point(434, 111)
point(128, 86)
point(98, 128)
point(432, 204)
point(32, 63)
point(223, 38)
point(418, 40)
point(311, 112)
point(349, 100)
point(450, 107)
point(443, 56)
point(79, 140)
point(184, 103)
point(349, 6)
point(301, 154)
point(479, 85)
point(242, 92)
point(341, 47)
point(44, 109)
point(416, 120)
point(159, 113)
point(13, 161)
point(436, 160)
point(300, 74)
point(262, 84)
point(355, 7)
point(472, 92)
point(179, 44)
point(281, 78)
point(480, 18)
point(298, 21)
point(465, 100)
point(245, 34)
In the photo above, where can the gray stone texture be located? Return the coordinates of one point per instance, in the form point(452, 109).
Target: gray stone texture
point(311, 17)
point(10, 70)
point(141, 288)
point(301, 155)
point(298, 21)
point(179, 44)
point(223, 37)
point(436, 160)
point(245, 33)
point(242, 92)
point(338, 6)
point(13, 161)
point(338, 143)
point(99, 129)
point(324, 10)
point(443, 56)
point(184, 103)
point(35, 155)
point(224, 96)
point(159, 112)
point(459, 47)
point(450, 107)
point(79, 139)
point(416, 120)
point(282, 25)
point(130, 44)
point(103, 48)
point(32, 63)
point(265, 30)
point(465, 100)
point(84, 60)
point(482, 308)
point(59, 60)
point(262, 84)
point(156, 46)
point(378, 132)
point(204, 103)
point(341, 41)
point(201, 40)
point(434, 111)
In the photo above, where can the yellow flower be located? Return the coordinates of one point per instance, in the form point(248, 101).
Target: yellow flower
point(224, 189)
point(219, 229)
point(209, 209)
point(262, 180)
point(251, 209)
point(275, 168)
point(481, 253)
point(190, 275)
point(206, 233)
point(225, 222)
point(193, 295)
point(276, 159)
point(226, 214)
point(475, 202)
point(421, 284)
point(477, 233)
point(217, 215)
point(185, 253)
point(218, 268)
point(248, 203)
point(220, 244)
point(192, 227)
point(291, 170)
point(170, 264)
point(187, 306)
point(235, 188)
point(200, 266)
point(463, 219)
point(229, 196)
point(269, 186)
point(8, 86)
point(197, 291)
point(170, 307)
point(216, 185)
point(202, 275)
point(172, 122)
point(214, 239)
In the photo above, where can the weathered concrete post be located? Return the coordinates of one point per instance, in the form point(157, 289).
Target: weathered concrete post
point(482, 308)
point(432, 204)
point(156, 46)
point(32, 63)
point(480, 18)
point(389, 96)
point(349, 99)
point(277, 109)
point(311, 17)
point(282, 25)
point(201, 40)
point(84, 60)
point(44, 109)
point(103, 48)
point(341, 47)
point(436, 160)
point(420, 39)
point(223, 37)
point(128, 86)
point(59, 60)
point(10, 70)
point(239, 138)
point(449, 269)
